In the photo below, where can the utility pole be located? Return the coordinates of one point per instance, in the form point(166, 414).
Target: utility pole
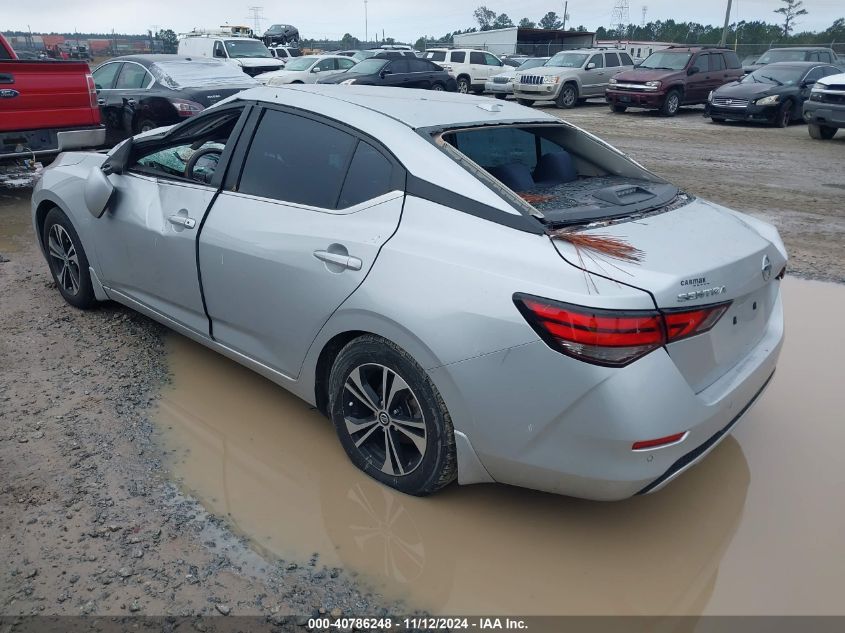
point(565, 13)
point(366, 26)
point(727, 22)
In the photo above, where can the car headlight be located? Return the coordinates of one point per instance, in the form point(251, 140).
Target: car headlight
point(551, 80)
point(612, 81)
point(772, 100)
point(652, 84)
point(710, 97)
point(347, 82)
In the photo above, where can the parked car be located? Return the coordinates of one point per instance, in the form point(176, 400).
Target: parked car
point(824, 111)
point(571, 76)
point(281, 34)
point(501, 85)
point(470, 68)
point(307, 69)
point(407, 72)
point(391, 53)
point(793, 54)
point(137, 93)
point(773, 94)
point(672, 77)
point(285, 53)
point(443, 322)
point(248, 54)
point(45, 107)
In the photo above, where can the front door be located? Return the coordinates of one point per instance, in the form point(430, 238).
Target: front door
point(282, 248)
point(594, 79)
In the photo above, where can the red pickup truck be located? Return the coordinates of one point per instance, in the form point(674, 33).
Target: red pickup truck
point(46, 107)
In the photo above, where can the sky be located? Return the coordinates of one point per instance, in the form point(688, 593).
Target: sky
point(404, 20)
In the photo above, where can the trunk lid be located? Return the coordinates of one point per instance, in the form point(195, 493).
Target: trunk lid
point(210, 97)
point(699, 254)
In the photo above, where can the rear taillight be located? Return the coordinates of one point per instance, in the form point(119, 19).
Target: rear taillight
point(92, 91)
point(612, 338)
point(187, 108)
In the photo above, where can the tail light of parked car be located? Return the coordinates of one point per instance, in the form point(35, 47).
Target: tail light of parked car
point(187, 108)
point(612, 338)
point(92, 91)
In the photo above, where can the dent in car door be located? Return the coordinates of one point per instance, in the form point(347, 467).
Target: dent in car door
point(281, 253)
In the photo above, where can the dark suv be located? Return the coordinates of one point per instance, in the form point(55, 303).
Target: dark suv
point(672, 77)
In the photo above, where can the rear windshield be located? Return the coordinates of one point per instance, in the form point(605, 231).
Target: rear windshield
point(565, 174)
point(178, 74)
point(664, 60)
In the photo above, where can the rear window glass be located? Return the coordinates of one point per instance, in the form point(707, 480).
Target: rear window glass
point(732, 60)
point(612, 59)
point(458, 58)
point(132, 76)
point(626, 59)
point(436, 56)
point(298, 160)
point(369, 176)
point(497, 147)
point(180, 73)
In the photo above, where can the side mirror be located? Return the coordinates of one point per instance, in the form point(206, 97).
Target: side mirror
point(119, 160)
point(98, 192)
point(590, 66)
point(316, 69)
point(383, 73)
point(693, 70)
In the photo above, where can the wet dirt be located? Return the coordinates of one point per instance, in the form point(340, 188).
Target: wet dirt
point(779, 175)
point(15, 224)
point(756, 528)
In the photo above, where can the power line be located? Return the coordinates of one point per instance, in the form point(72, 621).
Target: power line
point(621, 16)
point(256, 17)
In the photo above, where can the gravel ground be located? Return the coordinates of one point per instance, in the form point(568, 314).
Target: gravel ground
point(89, 523)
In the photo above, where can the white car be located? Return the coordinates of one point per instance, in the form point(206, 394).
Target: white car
point(501, 85)
point(285, 53)
point(470, 68)
point(307, 69)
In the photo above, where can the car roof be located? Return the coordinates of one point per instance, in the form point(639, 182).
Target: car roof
point(414, 108)
point(146, 60)
point(795, 65)
point(796, 48)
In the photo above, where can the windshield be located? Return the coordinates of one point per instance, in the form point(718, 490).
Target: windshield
point(567, 60)
point(532, 63)
point(776, 76)
point(245, 47)
point(178, 74)
point(664, 60)
point(782, 56)
point(301, 63)
point(368, 66)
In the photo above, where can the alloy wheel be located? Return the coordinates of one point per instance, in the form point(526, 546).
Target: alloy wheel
point(568, 97)
point(463, 86)
point(674, 103)
point(384, 419)
point(64, 259)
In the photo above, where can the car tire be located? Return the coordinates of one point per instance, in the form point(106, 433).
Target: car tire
point(619, 109)
point(525, 102)
point(716, 119)
point(784, 115)
point(464, 85)
point(568, 97)
point(407, 443)
point(438, 87)
point(145, 125)
point(67, 261)
point(671, 104)
point(501, 95)
point(821, 132)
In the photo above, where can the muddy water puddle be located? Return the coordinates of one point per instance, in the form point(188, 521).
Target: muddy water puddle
point(15, 222)
point(758, 527)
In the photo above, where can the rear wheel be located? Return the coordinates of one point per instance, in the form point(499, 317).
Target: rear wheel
point(463, 85)
point(525, 102)
point(821, 132)
point(618, 108)
point(390, 418)
point(671, 104)
point(784, 115)
point(568, 97)
point(438, 87)
point(145, 125)
point(67, 260)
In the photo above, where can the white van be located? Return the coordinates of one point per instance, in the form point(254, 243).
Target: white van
point(248, 53)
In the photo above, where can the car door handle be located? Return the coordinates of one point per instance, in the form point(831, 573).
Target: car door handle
point(347, 261)
point(183, 221)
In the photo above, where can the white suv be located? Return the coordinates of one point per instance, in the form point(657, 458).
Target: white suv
point(470, 68)
point(285, 53)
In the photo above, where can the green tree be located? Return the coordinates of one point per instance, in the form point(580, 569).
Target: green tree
point(349, 41)
point(420, 44)
point(550, 21)
point(169, 41)
point(485, 17)
point(525, 23)
point(502, 21)
point(791, 10)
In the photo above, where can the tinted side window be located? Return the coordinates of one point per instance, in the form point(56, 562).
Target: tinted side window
point(476, 58)
point(440, 56)
point(626, 59)
point(814, 75)
point(597, 60)
point(295, 159)
point(399, 66)
point(702, 63)
point(825, 57)
point(717, 62)
point(612, 59)
point(732, 60)
point(104, 75)
point(132, 77)
point(219, 50)
point(369, 176)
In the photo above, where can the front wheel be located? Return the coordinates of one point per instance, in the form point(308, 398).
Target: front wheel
point(67, 260)
point(390, 418)
point(438, 87)
point(568, 97)
point(784, 115)
point(671, 104)
point(821, 132)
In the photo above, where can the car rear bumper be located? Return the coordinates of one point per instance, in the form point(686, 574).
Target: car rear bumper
point(751, 113)
point(635, 99)
point(538, 419)
point(43, 142)
point(829, 114)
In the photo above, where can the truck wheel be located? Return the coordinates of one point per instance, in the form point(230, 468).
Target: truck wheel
point(525, 102)
point(568, 97)
point(821, 132)
point(618, 108)
point(671, 104)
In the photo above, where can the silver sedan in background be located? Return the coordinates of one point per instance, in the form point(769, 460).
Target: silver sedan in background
point(469, 290)
point(501, 85)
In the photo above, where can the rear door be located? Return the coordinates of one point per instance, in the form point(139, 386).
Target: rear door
point(477, 67)
point(124, 99)
point(292, 236)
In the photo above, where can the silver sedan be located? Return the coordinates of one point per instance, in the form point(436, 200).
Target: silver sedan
point(468, 289)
